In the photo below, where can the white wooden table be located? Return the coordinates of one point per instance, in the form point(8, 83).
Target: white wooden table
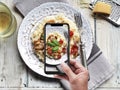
point(15, 75)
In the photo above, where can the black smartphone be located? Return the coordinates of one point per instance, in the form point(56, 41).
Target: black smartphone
point(56, 51)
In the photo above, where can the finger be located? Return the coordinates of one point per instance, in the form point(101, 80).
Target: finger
point(67, 70)
point(74, 62)
point(73, 68)
point(78, 71)
point(77, 65)
point(61, 77)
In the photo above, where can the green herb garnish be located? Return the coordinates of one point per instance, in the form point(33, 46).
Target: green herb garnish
point(51, 44)
point(55, 49)
point(55, 42)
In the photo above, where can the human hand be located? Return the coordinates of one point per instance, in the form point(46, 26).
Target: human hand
point(77, 75)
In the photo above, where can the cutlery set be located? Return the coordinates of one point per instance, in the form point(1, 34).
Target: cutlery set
point(78, 21)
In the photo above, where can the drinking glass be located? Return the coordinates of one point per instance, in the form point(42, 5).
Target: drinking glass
point(8, 22)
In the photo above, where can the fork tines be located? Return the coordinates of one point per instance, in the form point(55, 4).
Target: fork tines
point(78, 20)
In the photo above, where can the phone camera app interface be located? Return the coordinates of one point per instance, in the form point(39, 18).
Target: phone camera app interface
point(56, 45)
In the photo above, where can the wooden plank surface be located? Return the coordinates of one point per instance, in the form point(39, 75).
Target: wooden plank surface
point(15, 74)
point(108, 40)
point(31, 89)
point(12, 68)
point(38, 81)
point(51, 89)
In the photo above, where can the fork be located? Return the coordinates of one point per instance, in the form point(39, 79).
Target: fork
point(78, 21)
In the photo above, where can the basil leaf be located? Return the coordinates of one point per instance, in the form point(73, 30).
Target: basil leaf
point(51, 44)
point(55, 49)
point(55, 42)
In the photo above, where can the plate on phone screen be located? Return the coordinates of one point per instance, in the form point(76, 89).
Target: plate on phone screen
point(31, 21)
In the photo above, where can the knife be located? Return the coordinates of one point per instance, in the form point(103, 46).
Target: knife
point(83, 55)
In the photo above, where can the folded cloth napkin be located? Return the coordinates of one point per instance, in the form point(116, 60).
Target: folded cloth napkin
point(100, 69)
point(24, 6)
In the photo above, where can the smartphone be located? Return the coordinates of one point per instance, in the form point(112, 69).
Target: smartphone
point(56, 51)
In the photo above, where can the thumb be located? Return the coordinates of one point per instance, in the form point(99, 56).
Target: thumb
point(67, 70)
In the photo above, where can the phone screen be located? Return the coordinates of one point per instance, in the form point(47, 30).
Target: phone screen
point(56, 38)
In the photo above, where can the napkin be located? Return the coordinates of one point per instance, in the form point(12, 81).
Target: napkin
point(25, 6)
point(100, 70)
point(99, 67)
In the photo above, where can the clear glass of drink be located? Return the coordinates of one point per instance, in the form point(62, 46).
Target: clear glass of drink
point(8, 22)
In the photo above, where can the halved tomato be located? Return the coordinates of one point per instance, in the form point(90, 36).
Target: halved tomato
point(71, 33)
point(59, 56)
point(74, 49)
point(49, 51)
point(61, 41)
point(64, 50)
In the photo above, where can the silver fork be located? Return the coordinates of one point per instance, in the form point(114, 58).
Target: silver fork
point(78, 21)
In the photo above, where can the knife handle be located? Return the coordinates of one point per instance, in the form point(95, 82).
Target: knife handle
point(83, 57)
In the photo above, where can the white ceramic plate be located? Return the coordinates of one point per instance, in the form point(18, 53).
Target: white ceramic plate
point(35, 16)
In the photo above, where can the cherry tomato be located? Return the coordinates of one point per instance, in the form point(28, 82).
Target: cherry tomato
point(64, 50)
point(75, 46)
point(71, 33)
point(49, 51)
point(74, 49)
point(58, 56)
point(61, 41)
